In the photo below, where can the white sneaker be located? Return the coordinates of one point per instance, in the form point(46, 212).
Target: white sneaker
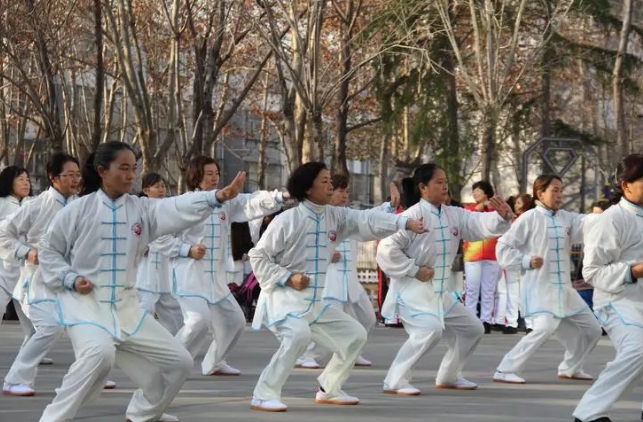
point(307, 364)
point(46, 361)
point(17, 390)
point(227, 370)
point(340, 398)
point(109, 385)
point(405, 390)
point(460, 384)
point(164, 418)
point(578, 376)
point(268, 405)
point(362, 362)
point(508, 378)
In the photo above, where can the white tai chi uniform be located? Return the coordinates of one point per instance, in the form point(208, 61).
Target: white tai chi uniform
point(302, 240)
point(613, 244)
point(554, 305)
point(21, 232)
point(104, 240)
point(10, 271)
point(154, 283)
point(343, 289)
point(201, 284)
point(429, 310)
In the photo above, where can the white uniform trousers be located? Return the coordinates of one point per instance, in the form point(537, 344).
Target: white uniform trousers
point(333, 329)
point(507, 301)
point(224, 319)
point(619, 376)
point(152, 358)
point(48, 331)
point(362, 311)
point(481, 281)
point(462, 333)
point(577, 333)
point(26, 325)
point(166, 308)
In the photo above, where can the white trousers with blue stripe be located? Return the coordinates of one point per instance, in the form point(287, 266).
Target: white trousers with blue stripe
point(333, 329)
point(151, 357)
point(620, 375)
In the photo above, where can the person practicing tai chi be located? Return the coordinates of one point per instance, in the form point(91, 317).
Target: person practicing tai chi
point(343, 288)
point(20, 234)
point(201, 279)
point(613, 264)
point(291, 262)
point(153, 279)
point(539, 242)
point(420, 269)
point(89, 257)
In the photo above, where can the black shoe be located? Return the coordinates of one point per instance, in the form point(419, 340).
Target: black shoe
point(528, 330)
point(642, 416)
point(605, 333)
point(487, 327)
point(510, 330)
point(497, 327)
point(601, 419)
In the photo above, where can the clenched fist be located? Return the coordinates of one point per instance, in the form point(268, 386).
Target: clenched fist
point(425, 274)
point(83, 286)
point(336, 257)
point(32, 256)
point(298, 281)
point(536, 262)
point(197, 251)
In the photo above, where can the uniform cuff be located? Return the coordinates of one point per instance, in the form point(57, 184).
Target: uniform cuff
point(184, 250)
point(212, 199)
point(403, 223)
point(283, 282)
point(69, 280)
point(414, 271)
point(526, 262)
point(22, 252)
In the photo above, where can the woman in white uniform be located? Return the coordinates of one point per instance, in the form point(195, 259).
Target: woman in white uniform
point(343, 288)
point(420, 271)
point(539, 242)
point(89, 257)
point(613, 264)
point(200, 281)
point(153, 280)
point(291, 262)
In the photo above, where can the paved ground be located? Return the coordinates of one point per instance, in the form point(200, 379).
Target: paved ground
point(544, 398)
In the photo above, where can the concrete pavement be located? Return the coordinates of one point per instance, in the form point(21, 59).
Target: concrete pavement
point(544, 398)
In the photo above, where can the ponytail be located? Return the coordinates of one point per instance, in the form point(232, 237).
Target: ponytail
point(91, 179)
point(410, 194)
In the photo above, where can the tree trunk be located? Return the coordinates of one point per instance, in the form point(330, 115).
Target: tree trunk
point(453, 157)
point(617, 82)
point(263, 139)
point(339, 160)
point(488, 144)
point(100, 74)
point(546, 60)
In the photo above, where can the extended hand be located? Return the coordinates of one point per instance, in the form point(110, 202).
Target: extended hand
point(637, 270)
point(395, 195)
point(425, 274)
point(501, 207)
point(298, 281)
point(83, 286)
point(233, 189)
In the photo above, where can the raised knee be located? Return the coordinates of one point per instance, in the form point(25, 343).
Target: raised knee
point(477, 329)
point(361, 335)
point(102, 356)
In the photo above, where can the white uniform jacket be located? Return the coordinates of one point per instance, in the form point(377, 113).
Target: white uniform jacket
point(154, 273)
point(104, 240)
point(302, 240)
point(539, 232)
point(10, 271)
point(614, 243)
point(21, 232)
point(400, 256)
point(206, 278)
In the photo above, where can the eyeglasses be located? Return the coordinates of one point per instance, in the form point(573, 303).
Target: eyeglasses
point(71, 175)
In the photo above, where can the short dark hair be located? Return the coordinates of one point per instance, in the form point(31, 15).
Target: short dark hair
point(196, 170)
point(628, 170)
point(411, 185)
point(303, 178)
point(149, 180)
point(340, 181)
point(57, 162)
point(7, 176)
point(603, 204)
point(484, 186)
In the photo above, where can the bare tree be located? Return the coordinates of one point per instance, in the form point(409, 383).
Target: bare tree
point(617, 80)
